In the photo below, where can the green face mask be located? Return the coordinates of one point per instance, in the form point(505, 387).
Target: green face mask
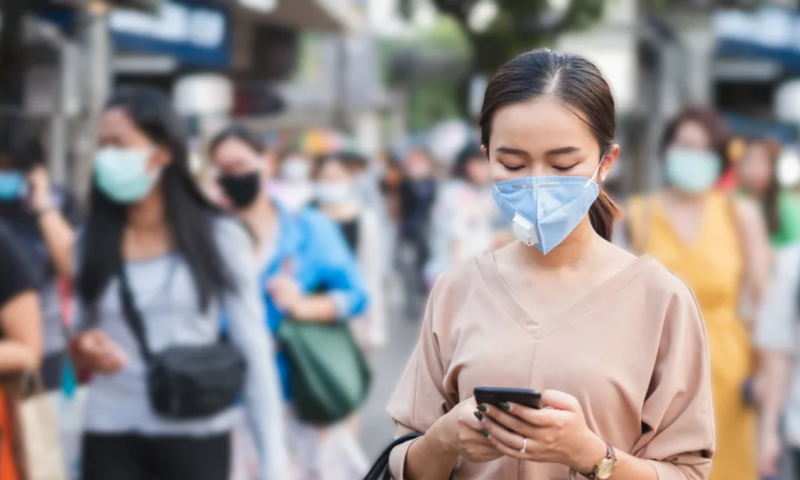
point(693, 171)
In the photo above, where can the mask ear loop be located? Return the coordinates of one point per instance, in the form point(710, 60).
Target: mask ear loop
point(594, 175)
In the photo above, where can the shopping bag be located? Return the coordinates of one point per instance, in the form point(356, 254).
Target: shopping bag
point(69, 405)
point(39, 444)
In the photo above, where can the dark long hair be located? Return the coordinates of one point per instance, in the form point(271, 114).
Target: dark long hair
point(189, 216)
point(576, 83)
point(771, 194)
point(244, 134)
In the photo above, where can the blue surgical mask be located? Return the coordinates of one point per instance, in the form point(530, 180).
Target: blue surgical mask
point(693, 171)
point(12, 186)
point(122, 174)
point(543, 211)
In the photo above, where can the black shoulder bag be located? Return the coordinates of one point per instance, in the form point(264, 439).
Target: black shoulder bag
point(186, 382)
point(380, 470)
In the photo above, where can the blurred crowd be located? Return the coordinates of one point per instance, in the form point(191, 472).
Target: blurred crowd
point(276, 258)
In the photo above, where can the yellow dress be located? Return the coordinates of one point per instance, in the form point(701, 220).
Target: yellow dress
point(712, 266)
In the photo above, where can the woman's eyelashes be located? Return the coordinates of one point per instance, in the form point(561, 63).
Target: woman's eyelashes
point(514, 168)
point(565, 169)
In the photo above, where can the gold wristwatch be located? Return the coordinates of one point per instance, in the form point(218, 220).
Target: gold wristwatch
point(603, 469)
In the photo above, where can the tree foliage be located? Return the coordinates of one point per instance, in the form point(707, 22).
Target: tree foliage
point(519, 26)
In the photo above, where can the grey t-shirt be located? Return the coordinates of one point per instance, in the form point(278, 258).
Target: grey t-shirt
point(165, 293)
point(778, 327)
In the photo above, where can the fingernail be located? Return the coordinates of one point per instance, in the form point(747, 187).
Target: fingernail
point(504, 406)
point(479, 416)
point(483, 408)
point(486, 433)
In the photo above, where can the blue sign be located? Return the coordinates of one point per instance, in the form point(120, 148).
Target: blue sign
point(194, 34)
point(769, 33)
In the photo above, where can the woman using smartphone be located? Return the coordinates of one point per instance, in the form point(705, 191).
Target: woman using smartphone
point(615, 343)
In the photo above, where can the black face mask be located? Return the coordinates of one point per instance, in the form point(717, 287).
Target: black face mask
point(241, 189)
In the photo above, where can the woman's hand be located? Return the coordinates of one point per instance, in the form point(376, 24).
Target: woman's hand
point(556, 434)
point(286, 293)
point(39, 182)
point(769, 453)
point(467, 436)
point(97, 352)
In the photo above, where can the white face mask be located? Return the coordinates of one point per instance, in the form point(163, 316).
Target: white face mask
point(295, 169)
point(331, 193)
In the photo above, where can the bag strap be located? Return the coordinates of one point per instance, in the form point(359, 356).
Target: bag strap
point(132, 315)
point(380, 470)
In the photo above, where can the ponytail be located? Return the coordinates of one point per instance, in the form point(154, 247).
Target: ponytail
point(602, 214)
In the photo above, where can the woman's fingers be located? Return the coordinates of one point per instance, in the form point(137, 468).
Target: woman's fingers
point(510, 419)
point(498, 433)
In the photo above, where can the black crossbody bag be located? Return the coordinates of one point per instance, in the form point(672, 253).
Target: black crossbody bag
point(186, 382)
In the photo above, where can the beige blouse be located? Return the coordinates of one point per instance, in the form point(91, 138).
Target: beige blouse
point(633, 352)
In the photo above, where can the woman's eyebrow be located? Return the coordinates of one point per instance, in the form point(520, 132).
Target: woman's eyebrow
point(513, 151)
point(562, 151)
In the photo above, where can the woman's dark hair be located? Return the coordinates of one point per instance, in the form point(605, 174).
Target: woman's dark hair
point(20, 140)
point(712, 122)
point(468, 154)
point(322, 160)
point(238, 132)
point(770, 200)
point(573, 81)
point(189, 216)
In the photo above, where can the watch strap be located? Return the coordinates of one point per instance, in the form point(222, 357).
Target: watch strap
point(611, 454)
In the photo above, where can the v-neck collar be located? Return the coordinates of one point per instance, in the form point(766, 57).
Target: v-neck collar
point(540, 328)
point(690, 244)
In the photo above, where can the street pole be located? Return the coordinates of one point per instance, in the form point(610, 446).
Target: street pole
point(97, 43)
point(12, 53)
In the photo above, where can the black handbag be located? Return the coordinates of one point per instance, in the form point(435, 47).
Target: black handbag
point(186, 382)
point(380, 470)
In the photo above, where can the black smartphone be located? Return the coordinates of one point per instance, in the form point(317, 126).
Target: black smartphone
point(520, 396)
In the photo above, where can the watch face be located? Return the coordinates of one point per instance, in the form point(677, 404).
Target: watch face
point(605, 469)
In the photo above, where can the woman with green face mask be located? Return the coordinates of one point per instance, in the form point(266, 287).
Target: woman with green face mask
point(156, 269)
point(718, 245)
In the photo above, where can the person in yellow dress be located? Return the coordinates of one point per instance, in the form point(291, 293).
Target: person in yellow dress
point(718, 245)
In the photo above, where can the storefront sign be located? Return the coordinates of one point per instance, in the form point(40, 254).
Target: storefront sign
point(768, 33)
point(195, 34)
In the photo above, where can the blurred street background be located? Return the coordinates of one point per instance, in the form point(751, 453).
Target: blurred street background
point(393, 89)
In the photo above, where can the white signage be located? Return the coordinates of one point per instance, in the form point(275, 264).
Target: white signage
point(175, 23)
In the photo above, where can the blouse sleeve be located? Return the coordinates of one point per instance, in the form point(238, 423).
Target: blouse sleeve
point(339, 271)
point(776, 326)
point(420, 398)
point(677, 416)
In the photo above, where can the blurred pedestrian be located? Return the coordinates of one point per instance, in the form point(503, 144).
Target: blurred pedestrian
point(337, 197)
point(758, 179)
point(308, 274)
point(718, 245)
point(29, 202)
point(560, 310)
point(156, 267)
point(465, 220)
point(292, 184)
point(417, 194)
point(776, 338)
point(20, 342)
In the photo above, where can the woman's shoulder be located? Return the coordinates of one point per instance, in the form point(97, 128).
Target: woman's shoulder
point(230, 231)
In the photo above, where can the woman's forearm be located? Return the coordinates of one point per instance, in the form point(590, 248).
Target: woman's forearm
point(60, 239)
point(17, 357)
point(316, 308)
point(431, 457)
point(775, 375)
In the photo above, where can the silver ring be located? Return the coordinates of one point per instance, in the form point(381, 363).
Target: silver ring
point(524, 445)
